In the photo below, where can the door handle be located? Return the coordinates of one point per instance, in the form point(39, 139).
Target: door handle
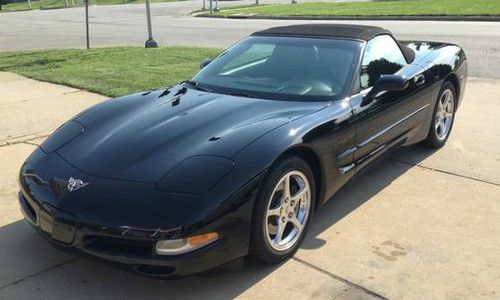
point(419, 79)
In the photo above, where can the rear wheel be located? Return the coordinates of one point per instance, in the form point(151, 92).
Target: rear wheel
point(283, 210)
point(443, 117)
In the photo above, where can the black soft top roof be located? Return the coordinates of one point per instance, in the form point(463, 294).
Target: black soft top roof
point(359, 32)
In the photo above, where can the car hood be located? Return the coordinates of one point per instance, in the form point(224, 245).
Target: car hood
point(140, 137)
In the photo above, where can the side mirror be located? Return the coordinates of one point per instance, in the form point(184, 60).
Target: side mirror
point(386, 83)
point(205, 62)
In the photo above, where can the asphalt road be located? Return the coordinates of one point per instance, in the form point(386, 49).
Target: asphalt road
point(125, 25)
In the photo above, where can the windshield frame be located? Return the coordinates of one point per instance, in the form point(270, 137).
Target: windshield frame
point(346, 91)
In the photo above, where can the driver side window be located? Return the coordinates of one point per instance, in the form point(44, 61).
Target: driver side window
point(382, 56)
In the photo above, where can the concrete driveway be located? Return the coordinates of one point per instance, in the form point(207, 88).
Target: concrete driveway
point(416, 225)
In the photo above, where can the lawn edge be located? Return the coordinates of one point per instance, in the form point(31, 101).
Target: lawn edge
point(78, 6)
point(69, 85)
point(367, 18)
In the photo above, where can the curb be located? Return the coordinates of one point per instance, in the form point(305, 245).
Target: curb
point(365, 18)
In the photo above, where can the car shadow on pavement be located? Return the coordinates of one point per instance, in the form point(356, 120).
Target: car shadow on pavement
point(362, 187)
point(31, 267)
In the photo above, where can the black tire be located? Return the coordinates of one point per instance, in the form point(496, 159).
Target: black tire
point(260, 247)
point(432, 140)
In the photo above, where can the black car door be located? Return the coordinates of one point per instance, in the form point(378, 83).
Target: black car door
point(392, 116)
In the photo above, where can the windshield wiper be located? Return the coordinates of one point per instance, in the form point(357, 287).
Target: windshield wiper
point(196, 85)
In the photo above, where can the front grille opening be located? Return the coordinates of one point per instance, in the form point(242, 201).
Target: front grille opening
point(155, 270)
point(115, 245)
point(30, 211)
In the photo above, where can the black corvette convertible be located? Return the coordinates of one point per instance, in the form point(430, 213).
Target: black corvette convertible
point(236, 160)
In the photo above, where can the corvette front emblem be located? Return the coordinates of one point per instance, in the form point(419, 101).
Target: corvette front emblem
point(75, 184)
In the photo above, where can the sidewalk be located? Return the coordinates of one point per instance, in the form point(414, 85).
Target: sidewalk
point(32, 109)
point(418, 225)
point(29, 111)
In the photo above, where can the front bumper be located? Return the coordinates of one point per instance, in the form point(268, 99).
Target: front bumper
point(117, 227)
point(136, 253)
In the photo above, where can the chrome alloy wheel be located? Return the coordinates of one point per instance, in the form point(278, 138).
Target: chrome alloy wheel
point(287, 211)
point(444, 114)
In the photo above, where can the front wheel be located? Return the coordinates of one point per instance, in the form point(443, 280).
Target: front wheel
point(443, 117)
point(283, 210)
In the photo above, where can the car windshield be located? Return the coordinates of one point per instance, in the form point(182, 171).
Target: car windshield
point(283, 68)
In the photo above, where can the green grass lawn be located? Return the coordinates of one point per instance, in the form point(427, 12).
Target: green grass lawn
point(374, 8)
point(109, 71)
point(51, 4)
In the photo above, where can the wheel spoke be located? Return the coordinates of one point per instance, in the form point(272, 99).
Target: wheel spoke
point(296, 223)
point(274, 211)
point(286, 187)
point(279, 233)
point(442, 127)
point(299, 195)
point(449, 108)
point(446, 98)
point(442, 104)
point(438, 122)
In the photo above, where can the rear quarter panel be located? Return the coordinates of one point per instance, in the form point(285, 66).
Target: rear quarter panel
point(440, 62)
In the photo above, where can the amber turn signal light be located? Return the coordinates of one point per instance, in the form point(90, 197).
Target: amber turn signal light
point(181, 246)
point(202, 238)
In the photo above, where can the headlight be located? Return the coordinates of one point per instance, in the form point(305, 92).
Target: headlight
point(195, 175)
point(62, 136)
point(180, 246)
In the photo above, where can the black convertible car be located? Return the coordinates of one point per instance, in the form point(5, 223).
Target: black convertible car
point(236, 160)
